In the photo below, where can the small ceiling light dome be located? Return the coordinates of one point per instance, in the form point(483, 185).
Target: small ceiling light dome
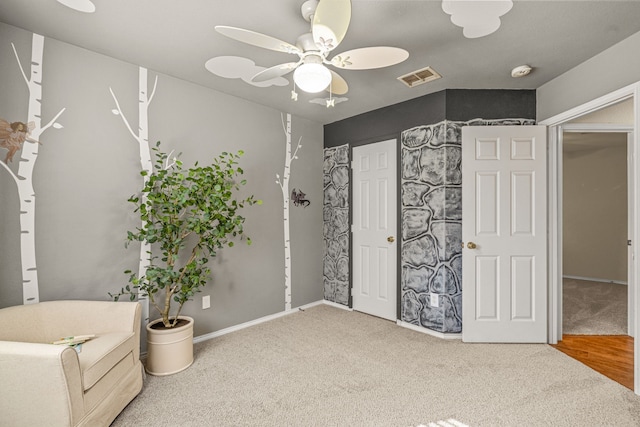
point(521, 71)
point(312, 78)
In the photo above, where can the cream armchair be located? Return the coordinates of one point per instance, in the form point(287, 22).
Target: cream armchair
point(42, 384)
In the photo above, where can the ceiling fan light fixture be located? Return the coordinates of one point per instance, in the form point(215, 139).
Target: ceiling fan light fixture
point(312, 77)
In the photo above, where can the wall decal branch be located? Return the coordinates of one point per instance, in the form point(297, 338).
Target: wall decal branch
point(284, 186)
point(28, 135)
point(142, 138)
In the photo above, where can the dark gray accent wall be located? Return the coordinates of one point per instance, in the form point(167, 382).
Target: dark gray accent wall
point(387, 122)
point(489, 104)
point(450, 104)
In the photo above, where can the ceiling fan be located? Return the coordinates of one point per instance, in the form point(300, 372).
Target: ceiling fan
point(329, 23)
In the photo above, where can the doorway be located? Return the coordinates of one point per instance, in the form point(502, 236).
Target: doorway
point(597, 265)
point(595, 233)
point(575, 120)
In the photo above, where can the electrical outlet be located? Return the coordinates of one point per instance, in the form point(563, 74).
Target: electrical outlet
point(435, 300)
point(206, 302)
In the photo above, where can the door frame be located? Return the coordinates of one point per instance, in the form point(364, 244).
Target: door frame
point(555, 129)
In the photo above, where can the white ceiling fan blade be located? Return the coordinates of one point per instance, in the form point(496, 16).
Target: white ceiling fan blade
point(256, 39)
point(369, 57)
point(338, 85)
point(330, 22)
point(274, 72)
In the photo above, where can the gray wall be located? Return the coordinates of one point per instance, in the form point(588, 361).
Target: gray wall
point(595, 209)
point(86, 171)
point(606, 72)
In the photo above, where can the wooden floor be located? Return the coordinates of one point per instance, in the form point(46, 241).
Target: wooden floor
point(611, 355)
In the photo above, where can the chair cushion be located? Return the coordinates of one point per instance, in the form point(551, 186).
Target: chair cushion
point(101, 354)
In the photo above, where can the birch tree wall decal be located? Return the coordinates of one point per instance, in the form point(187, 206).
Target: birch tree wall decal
point(142, 138)
point(24, 177)
point(284, 186)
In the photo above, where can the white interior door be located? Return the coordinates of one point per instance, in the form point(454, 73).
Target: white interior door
point(374, 229)
point(504, 230)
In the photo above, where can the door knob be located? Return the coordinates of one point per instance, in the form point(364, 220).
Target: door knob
point(471, 245)
point(390, 239)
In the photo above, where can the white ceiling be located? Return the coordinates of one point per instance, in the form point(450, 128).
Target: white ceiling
point(177, 38)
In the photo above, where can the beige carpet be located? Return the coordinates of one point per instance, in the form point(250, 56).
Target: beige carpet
point(593, 308)
point(331, 367)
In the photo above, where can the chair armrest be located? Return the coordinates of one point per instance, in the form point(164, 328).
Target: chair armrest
point(41, 384)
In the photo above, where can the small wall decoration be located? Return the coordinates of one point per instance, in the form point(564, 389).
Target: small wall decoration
point(298, 198)
point(12, 137)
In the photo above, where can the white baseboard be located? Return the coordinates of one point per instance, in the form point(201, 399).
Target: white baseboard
point(441, 335)
point(336, 305)
point(592, 279)
point(250, 323)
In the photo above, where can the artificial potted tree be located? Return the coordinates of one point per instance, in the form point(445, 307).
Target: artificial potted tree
point(187, 216)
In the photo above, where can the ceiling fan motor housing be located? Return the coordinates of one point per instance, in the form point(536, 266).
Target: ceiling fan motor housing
point(312, 58)
point(306, 43)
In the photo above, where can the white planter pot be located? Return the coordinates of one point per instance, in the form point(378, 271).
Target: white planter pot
point(169, 350)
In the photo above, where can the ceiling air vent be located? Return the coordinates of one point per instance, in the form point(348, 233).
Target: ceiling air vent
point(419, 77)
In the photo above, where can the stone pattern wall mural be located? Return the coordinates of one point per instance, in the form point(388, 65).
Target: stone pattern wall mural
point(336, 224)
point(431, 197)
